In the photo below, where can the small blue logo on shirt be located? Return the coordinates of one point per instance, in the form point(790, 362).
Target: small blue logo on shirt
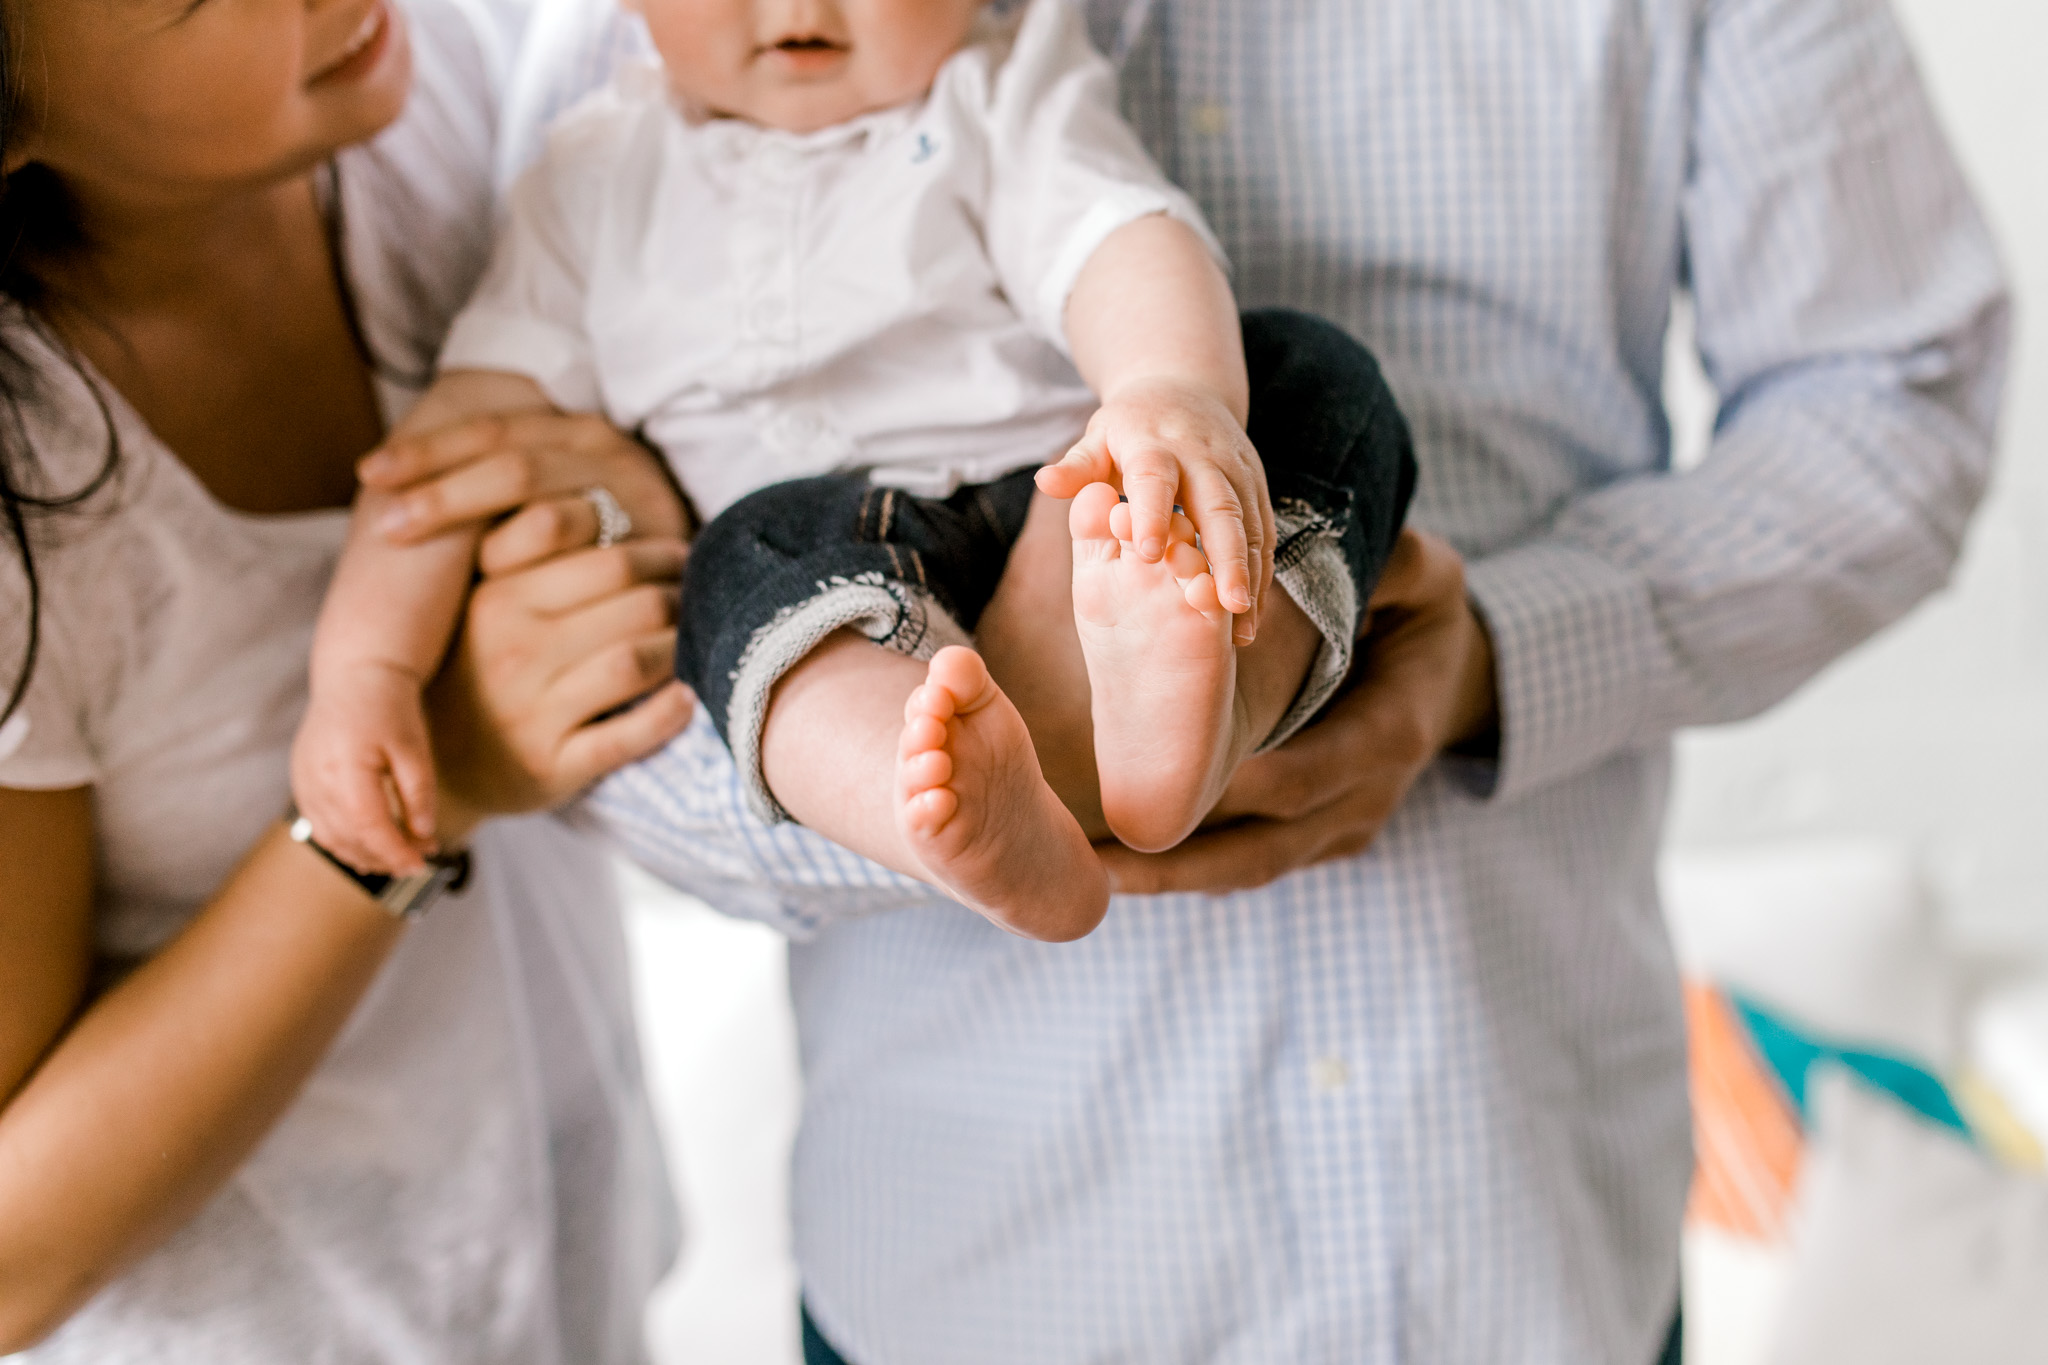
point(926, 149)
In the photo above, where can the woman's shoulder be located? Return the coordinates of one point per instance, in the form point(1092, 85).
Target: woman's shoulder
point(418, 201)
point(62, 426)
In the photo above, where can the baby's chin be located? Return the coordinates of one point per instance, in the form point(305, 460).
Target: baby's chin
point(808, 96)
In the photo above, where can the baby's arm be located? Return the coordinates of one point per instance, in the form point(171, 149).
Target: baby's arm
point(385, 626)
point(1155, 332)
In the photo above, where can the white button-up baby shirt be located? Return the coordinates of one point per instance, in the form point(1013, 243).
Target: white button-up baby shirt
point(885, 294)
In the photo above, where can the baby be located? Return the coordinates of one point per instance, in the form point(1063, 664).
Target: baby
point(857, 268)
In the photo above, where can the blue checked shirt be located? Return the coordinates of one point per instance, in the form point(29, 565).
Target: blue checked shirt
point(1426, 1105)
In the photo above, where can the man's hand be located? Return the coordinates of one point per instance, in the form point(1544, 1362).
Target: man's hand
point(1424, 682)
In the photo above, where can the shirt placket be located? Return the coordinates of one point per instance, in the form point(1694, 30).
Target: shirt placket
point(767, 225)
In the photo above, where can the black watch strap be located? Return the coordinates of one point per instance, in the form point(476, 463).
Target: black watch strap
point(401, 897)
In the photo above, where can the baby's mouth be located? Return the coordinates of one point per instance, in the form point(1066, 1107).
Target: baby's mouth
point(807, 50)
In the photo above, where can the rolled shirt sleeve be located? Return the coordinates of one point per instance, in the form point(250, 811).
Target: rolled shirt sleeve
point(1853, 317)
point(528, 314)
point(682, 814)
point(1066, 169)
point(46, 744)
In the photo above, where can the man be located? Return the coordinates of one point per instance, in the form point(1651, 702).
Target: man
point(1424, 1103)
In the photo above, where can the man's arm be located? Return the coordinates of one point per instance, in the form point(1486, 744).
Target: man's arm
point(1852, 314)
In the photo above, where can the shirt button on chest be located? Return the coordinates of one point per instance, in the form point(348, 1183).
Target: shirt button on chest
point(1330, 1074)
point(1210, 120)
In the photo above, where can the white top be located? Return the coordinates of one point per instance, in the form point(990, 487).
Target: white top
point(887, 293)
point(471, 1175)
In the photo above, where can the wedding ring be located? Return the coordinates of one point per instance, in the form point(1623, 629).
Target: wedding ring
point(613, 525)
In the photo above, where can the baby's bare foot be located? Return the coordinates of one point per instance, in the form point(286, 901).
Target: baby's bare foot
point(1162, 672)
point(976, 812)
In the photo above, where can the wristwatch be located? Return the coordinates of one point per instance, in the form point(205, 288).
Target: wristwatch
point(401, 897)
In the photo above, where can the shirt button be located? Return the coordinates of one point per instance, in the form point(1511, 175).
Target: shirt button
point(1210, 120)
point(1329, 1073)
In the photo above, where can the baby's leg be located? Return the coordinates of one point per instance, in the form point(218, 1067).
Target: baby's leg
point(809, 610)
point(1175, 710)
point(928, 769)
point(1027, 635)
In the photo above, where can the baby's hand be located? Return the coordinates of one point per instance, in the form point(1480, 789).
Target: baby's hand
point(1161, 443)
point(363, 770)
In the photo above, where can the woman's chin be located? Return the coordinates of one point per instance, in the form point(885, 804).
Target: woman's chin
point(355, 104)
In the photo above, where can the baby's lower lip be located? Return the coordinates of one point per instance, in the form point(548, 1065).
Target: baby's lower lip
point(806, 60)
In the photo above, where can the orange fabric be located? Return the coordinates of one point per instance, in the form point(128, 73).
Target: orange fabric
point(1746, 1137)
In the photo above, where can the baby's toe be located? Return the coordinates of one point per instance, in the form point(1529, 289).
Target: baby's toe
point(928, 811)
point(961, 673)
point(1091, 515)
point(1200, 592)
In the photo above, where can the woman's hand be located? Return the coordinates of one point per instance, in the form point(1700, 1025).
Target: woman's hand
point(1425, 683)
point(535, 465)
point(523, 715)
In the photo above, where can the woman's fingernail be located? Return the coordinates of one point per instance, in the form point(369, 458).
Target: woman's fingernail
point(1153, 548)
point(393, 519)
point(373, 464)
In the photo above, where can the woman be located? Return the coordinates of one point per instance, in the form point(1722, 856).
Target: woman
point(245, 1113)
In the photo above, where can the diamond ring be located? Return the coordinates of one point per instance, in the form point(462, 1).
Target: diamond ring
point(613, 525)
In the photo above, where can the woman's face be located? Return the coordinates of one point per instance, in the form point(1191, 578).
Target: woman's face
point(171, 101)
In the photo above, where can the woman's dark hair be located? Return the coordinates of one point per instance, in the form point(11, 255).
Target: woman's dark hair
point(35, 217)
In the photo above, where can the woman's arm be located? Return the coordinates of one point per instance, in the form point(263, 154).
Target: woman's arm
point(116, 1130)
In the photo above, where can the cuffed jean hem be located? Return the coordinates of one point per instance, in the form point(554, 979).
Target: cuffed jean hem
point(891, 613)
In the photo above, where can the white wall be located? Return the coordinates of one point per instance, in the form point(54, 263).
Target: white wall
point(1936, 733)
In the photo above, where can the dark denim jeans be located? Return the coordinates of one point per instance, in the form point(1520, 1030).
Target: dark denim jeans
point(780, 570)
point(818, 1351)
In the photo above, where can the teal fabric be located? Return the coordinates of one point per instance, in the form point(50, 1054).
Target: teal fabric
point(1793, 1053)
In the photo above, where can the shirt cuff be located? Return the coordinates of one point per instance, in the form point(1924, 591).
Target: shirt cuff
point(1105, 217)
point(25, 766)
point(1579, 658)
point(553, 357)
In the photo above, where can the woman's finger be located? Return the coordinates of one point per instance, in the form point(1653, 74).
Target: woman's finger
point(484, 468)
point(634, 614)
point(400, 464)
point(600, 747)
point(620, 671)
point(573, 581)
point(487, 486)
point(537, 532)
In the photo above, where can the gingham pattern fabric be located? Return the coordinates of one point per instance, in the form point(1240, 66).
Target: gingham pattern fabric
point(1427, 1105)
